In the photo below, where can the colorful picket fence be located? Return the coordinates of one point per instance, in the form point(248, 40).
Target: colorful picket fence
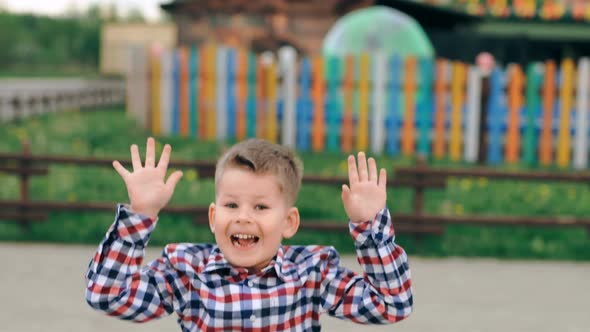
point(390, 105)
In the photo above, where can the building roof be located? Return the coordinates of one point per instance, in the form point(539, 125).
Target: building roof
point(523, 10)
point(226, 5)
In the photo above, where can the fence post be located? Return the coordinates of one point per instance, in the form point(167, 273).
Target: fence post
point(25, 163)
point(419, 188)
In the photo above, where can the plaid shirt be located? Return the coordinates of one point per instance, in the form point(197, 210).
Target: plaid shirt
point(208, 294)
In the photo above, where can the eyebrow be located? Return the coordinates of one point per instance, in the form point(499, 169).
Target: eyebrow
point(255, 197)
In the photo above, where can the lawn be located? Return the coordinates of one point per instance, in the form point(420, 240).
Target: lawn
point(109, 132)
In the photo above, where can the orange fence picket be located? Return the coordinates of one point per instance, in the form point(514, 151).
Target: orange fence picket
point(408, 139)
point(515, 102)
point(564, 139)
point(347, 125)
point(545, 145)
point(318, 131)
point(241, 93)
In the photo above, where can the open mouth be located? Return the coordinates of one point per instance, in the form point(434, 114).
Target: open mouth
point(244, 240)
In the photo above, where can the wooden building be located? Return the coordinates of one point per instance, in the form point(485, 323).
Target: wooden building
point(458, 29)
point(259, 25)
point(115, 39)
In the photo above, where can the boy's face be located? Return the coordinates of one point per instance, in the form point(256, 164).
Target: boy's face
point(250, 217)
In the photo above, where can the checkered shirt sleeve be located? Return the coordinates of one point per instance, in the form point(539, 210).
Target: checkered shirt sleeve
point(116, 283)
point(384, 293)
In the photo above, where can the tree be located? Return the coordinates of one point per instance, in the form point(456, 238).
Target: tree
point(135, 15)
point(93, 13)
point(111, 13)
point(72, 10)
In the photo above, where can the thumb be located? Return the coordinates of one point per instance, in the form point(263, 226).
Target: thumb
point(173, 180)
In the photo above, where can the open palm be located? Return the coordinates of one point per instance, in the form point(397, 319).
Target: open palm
point(146, 186)
point(366, 195)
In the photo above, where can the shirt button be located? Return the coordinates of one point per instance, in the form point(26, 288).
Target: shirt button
point(252, 318)
point(250, 283)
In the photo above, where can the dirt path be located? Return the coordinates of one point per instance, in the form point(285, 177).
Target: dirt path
point(42, 289)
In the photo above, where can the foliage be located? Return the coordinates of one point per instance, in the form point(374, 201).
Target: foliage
point(50, 46)
point(108, 133)
point(44, 42)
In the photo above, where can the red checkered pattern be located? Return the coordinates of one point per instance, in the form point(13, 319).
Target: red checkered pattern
point(208, 294)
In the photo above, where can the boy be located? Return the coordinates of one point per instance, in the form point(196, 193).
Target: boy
point(248, 281)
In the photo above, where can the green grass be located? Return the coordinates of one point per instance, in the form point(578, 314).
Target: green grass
point(108, 133)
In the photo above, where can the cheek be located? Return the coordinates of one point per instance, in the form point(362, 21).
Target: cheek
point(275, 231)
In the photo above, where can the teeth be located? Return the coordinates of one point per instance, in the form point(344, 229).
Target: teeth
point(244, 236)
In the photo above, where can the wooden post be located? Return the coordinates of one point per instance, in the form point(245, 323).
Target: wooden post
point(419, 188)
point(483, 119)
point(24, 183)
point(419, 197)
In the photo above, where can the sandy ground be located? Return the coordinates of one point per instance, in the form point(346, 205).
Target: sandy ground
point(42, 289)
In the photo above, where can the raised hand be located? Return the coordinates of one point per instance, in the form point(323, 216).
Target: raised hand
point(147, 190)
point(366, 195)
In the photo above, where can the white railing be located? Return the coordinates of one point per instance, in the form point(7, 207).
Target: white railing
point(22, 98)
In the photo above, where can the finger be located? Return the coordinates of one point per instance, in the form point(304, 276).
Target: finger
point(353, 175)
point(173, 180)
point(165, 157)
point(372, 170)
point(383, 179)
point(120, 169)
point(345, 193)
point(135, 159)
point(150, 153)
point(362, 165)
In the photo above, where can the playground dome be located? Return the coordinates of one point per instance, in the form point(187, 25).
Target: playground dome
point(374, 29)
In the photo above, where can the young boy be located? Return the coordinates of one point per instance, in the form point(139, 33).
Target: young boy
point(248, 281)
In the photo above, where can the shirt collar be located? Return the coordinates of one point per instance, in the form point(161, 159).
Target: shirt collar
point(283, 268)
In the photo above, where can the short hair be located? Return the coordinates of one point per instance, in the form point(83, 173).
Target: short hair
point(263, 157)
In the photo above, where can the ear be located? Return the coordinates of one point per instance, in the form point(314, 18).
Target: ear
point(292, 223)
point(212, 217)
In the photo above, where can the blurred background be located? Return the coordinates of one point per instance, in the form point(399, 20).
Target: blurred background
point(478, 109)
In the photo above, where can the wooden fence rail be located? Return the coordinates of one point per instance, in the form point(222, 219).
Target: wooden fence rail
point(419, 177)
point(443, 174)
point(24, 210)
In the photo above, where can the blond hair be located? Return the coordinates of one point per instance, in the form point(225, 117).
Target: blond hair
point(263, 157)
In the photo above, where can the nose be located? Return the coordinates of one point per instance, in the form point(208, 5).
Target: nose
point(243, 216)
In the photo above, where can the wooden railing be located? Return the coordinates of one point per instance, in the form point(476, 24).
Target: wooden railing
point(25, 211)
point(443, 174)
point(419, 177)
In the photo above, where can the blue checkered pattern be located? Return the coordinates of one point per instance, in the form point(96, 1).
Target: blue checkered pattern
point(208, 294)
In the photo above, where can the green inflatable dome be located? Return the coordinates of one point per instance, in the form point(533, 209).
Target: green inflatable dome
point(377, 28)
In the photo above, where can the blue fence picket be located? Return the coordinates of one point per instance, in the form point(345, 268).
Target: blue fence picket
point(425, 106)
point(393, 118)
point(251, 99)
point(304, 106)
point(231, 93)
point(495, 117)
point(333, 109)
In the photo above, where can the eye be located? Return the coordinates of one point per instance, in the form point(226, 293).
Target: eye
point(231, 205)
point(261, 207)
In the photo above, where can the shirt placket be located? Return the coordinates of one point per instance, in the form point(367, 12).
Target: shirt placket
point(250, 305)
